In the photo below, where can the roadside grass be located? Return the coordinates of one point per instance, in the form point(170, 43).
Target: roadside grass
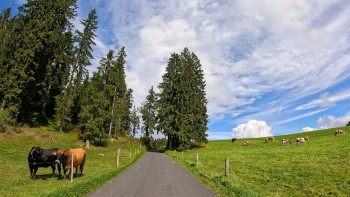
point(321, 167)
point(100, 164)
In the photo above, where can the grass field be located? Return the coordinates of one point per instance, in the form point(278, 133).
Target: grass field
point(321, 167)
point(100, 165)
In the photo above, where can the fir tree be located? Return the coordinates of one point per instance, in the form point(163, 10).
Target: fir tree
point(77, 71)
point(182, 104)
point(148, 111)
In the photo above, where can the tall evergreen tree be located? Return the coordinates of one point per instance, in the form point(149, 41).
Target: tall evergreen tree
point(149, 112)
point(81, 59)
point(10, 74)
point(36, 39)
point(94, 116)
point(120, 103)
point(134, 121)
point(44, 24)
point(182, 104)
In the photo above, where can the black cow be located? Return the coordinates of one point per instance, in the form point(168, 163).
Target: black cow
point(39, 157)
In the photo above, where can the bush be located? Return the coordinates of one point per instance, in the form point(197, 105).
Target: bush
point(2, 127)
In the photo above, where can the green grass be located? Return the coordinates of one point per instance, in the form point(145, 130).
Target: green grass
point(321, 167)
point(100, 164)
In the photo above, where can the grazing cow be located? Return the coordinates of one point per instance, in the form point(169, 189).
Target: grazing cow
point(339, 132)
point(233, 139)
point(268, 139)
point(246, 143)
point(79, 157)
point(300, 140)
point(286, 141)
point(39, 157)
point(307, 138)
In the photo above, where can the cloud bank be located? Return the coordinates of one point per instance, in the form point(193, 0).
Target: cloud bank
point(252, 129)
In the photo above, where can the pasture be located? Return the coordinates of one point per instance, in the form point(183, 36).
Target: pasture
point(100, 164)
point(321, 167)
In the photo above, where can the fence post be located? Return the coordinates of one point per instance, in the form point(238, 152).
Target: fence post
point(227, 166)
point(118, 157)
point(71, 170)
point(197, 158)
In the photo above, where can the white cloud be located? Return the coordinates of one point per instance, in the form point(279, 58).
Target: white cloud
point(326, 100)
point(328, 121)
point(252, 129)
point(307, 129)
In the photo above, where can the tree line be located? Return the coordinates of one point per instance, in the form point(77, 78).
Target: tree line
point(44, 76)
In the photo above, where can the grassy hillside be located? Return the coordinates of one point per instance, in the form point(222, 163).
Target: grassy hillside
point(100, 165)
point(321, 167)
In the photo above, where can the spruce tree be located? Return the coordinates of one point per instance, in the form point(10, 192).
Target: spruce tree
point(121, 105)
point(182, 104)
point(149, 112)
point(134, 121)
point(77, 71)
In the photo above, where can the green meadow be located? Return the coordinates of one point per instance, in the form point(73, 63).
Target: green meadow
point(100, 167)
point(321, 167)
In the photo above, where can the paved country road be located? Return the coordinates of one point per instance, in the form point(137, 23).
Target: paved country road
point(154, 175)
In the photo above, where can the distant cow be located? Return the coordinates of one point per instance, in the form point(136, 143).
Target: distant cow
point(246, 143)
point(268, 139)
point(39, 157)
point(300, 140)
point(79, 157)
point(307, 138)
point(233, 139)
point(286, 141)
point(339, 132)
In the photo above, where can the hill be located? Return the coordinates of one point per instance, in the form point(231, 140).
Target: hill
point(100, 166)
point(321, 167)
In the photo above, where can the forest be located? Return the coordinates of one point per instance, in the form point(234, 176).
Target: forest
point(45, 79)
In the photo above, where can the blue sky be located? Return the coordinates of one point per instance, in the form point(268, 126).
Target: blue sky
point(271, 67)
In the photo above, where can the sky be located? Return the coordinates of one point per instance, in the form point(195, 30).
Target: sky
point(271, 67)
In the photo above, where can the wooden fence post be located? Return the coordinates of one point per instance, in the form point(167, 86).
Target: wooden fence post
point(197, 158)
point(227, 166)
point(71, 170)
point(118, 157)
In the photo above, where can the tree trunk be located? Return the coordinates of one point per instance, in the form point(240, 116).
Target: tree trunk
point(170, 142)
point(3, 104)
point(111, 123)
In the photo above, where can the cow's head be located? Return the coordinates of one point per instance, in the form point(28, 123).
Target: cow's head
point(36, 152)
point(59, 155)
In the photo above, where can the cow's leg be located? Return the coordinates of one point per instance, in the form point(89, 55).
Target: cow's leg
point(64, 173)
point(81, 170)
point(76, 171)
point(31, 169)
point(34, 172)
point(59, 170)
point(53, 170)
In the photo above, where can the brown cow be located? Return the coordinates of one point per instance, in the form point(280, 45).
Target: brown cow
point(300, 140)
point(233, 139)
point(286, 141)
point(268, 139)
point(307, 138)
point(339, 132)
point(246, 143)
point(79, 157)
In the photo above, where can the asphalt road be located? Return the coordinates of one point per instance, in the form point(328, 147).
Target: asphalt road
point(155, 175)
